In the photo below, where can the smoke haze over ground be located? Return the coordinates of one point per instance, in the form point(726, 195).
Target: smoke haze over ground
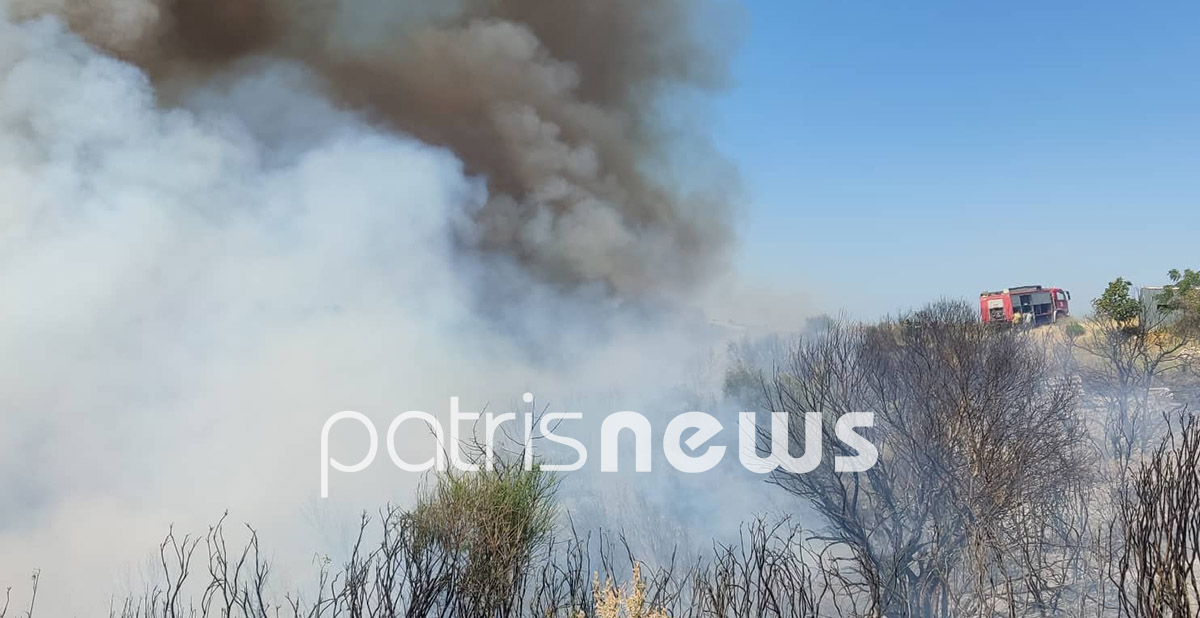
point(221, 222)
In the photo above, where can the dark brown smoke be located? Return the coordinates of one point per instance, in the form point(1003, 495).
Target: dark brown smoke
point(551, 101)
point(218, 31)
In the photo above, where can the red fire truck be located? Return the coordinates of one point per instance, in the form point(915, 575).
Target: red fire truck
point(1031, 304)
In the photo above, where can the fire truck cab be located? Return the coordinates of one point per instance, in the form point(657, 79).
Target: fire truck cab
point(1033, 304)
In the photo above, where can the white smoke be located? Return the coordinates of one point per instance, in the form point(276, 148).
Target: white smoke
point(187, 293)
point(184, 299)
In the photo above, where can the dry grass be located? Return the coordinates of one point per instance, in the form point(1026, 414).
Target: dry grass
point(612, 602)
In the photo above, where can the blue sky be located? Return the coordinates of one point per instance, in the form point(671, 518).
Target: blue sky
point(894, 152)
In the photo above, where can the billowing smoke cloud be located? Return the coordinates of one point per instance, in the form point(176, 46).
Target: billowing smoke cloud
point(552, 103)
point(223, 220)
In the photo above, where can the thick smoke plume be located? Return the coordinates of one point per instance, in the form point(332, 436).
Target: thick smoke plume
point(552, 102)
point(222, 221)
